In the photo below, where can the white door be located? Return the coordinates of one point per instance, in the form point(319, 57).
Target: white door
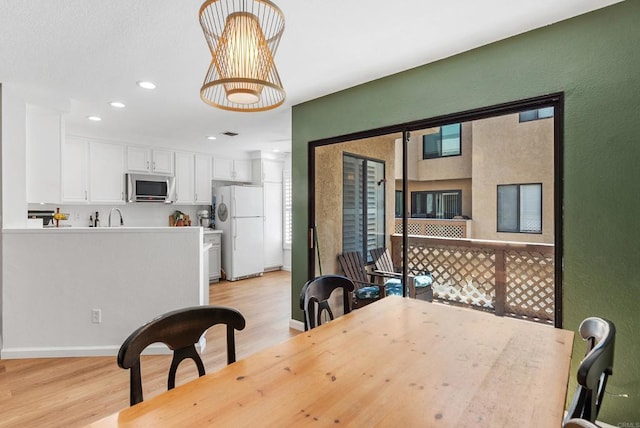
point(246, 201)
point(247, 236)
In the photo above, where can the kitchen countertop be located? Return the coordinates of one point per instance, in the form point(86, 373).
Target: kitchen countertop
point(69, 229)
point(211, 231)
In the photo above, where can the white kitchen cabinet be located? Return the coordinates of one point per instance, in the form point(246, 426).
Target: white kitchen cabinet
point(44, 135)
point(214, 255)
point(106, 173)
point(202, 177)
point(267, 171)
point(152, 161)
point(193, 179)
point(92, 172)
point(232, 170)
point(242, 170)
point(75, 171)
point(268, 174)
point(184, 178)
point(273, 249)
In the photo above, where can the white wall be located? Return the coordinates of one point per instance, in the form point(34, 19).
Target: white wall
point(14, 187)
point(53, 278)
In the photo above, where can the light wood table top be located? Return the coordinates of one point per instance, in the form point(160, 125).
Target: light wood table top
point(397, 362)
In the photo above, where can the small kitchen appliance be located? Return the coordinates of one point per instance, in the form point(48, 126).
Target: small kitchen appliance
point(203, 218)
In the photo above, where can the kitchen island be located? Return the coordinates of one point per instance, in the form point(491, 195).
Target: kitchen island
point(81, 291)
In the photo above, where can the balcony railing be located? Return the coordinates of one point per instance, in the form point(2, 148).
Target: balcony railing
point(446, 228)
point(508, 278)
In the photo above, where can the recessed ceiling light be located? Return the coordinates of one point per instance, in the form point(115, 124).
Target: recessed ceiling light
point(276, 150)
point(117, 104)
point(146, 85)
point(94, 118)
point(211, 137)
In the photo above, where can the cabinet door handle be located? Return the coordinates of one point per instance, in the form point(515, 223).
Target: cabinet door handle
point(196, 197)
point(86, 196)
point(154, 165)
point(147, 164)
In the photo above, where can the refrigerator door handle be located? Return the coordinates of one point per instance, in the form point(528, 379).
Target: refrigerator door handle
point(234, 233)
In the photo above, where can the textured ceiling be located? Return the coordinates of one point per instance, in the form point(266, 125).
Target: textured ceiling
point(86, 53)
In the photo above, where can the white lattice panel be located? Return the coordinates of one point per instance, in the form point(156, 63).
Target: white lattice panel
point(445, 230)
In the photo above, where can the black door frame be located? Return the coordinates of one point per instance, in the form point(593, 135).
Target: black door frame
point(555, 100)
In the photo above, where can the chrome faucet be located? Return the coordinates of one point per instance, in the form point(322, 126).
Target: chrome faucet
point(119, 212)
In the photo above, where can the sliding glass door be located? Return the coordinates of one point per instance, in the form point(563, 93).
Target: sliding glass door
point(472, 199)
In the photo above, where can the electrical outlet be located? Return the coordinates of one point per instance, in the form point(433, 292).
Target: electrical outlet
point(96, 316)
point(77, 215)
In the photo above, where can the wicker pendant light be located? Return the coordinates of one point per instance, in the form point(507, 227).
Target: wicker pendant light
point(243, 36)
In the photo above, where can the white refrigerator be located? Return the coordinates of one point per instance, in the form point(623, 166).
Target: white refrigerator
point(239, 215)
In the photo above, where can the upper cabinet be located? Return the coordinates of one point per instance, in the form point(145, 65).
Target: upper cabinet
point(106, 173)
point(231, 170)
point(184, 178)
point(44, 135)
point(193, 179)
point(92, 172)
point(75, 171)
point(267, 171)
point(146, 160)
point(202, 175)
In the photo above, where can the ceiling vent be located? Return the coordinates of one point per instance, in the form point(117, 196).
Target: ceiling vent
point(230, 134)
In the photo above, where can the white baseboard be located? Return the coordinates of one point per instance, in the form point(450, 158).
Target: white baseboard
point(75, 351)
point(296, 325)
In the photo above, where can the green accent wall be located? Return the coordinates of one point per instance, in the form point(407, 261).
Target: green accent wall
point(595, 60)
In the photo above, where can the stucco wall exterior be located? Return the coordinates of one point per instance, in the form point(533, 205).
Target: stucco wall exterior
point(447, 168)
point(328, 193)
point(506, 151)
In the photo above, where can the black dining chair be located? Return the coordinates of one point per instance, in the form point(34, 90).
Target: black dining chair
point(180, 330)
point(594, 369)
point(317, 292)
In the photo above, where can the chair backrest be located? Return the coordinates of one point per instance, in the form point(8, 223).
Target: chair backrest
point(180, 330)
point(353, 266)
point(382, 259)
point(594, 369)
point(317, 291)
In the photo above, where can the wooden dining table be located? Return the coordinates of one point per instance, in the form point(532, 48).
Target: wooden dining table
point(398, 362)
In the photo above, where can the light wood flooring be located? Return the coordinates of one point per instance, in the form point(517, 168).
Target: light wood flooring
point(70, 392)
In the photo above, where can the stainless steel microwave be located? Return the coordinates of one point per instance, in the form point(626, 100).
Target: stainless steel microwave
point(150, 188)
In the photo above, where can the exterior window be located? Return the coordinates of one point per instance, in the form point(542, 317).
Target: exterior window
point(363, 206)
point(520, 208)
point(439, 204)
point(442, 144)
point(398, 203)
point(541, 113)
